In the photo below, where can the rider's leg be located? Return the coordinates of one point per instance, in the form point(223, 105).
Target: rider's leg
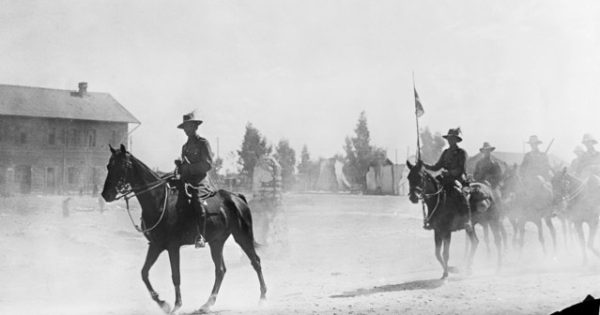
point(201, 219)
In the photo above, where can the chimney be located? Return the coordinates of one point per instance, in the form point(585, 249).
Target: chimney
point(82, 88)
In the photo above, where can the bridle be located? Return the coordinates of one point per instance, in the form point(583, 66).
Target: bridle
point(126, 192)
point(424, 197)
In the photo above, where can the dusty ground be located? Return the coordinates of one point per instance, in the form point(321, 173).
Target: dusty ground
point(332, 254)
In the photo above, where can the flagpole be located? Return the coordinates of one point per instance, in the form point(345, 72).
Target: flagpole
point(417, 121)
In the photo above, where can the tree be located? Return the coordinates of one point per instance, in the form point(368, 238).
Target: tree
point(286, 156)
point(304, 165)
point(359, 152)
point(254, 146)
point(431, 145)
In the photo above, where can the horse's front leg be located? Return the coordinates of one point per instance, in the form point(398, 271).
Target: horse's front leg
point(438, 252)
point(474, 243)
point(151, 257)
point(552, 231)
point(175, 275)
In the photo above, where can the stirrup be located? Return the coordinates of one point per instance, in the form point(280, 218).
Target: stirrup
point(200, 242)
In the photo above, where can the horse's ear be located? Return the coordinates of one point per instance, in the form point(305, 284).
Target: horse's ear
point(410, 166)
point(112, 150)
point(123, 150)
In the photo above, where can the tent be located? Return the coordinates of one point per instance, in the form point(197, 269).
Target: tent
point(331, 176)
point(385, 178)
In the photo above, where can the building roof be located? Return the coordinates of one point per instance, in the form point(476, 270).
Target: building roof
point(54, 103)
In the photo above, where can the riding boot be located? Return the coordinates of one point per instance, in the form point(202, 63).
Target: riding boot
point(201, 223)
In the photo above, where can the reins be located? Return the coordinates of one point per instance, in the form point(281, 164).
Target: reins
point(132, 193)
point(425, 196)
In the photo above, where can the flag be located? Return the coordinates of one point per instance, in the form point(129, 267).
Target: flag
point(419, 111)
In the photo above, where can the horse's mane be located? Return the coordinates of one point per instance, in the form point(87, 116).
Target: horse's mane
point(143, 167)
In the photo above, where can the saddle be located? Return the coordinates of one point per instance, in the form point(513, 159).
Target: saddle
point(481, 196)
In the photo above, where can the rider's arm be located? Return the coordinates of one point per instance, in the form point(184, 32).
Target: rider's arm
point(200, 161)
point(437, 166)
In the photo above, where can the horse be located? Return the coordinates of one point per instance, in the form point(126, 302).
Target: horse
point(528, 201)
point(445, 214)
point(168, 228)
point(581, 204)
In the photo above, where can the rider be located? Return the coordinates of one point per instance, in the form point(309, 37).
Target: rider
point(574, 167)
point(535, 162)
point(487, 168)
point(196, 161)
point(452, 161)
point(590, 158)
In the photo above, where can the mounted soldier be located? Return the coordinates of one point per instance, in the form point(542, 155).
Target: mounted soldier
point(452, 163)
point(574, 167)
point(488, 170)
point(535, 163)
point(192, 168)
point(589, 162)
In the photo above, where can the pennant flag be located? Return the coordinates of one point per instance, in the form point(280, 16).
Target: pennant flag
point(419, 111)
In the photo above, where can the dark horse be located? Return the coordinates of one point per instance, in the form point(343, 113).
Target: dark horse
point(581, 203)
point(445, 214)
point(168, 228)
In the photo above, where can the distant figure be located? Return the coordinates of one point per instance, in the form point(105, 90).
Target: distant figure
point(590, 159)
point(65, 207)
point(452, 163)
point(487, 170)
point(574, 167)
point(535, 162)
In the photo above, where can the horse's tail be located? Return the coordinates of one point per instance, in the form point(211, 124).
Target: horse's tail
point(243, 217)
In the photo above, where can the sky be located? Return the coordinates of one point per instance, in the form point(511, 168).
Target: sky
point(304, 70)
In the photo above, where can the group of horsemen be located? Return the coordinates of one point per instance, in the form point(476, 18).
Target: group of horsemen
point(196, 161)
point(534, 169)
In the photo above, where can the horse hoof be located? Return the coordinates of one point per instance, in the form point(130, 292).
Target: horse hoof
point(262, 302)
point(175, 308)
point(165, 307)
point(444, 276)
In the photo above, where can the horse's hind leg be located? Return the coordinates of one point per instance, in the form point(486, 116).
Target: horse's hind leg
point(438, 252)
point(540, 228)
point(486, 236)
point(579, 229)
point(216, 252)
point(552, 231)
point(246, 242)
point(151, 257)
point(592, 235)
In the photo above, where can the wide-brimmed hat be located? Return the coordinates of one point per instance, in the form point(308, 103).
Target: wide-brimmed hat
point(487, 147)
point(534, 139)
point(453, 132)
point(589, 138)
point(190, 118)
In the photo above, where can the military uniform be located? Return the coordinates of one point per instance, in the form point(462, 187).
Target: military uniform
point(196, 156)
point(587, 162)
point(535, 163)
point(453, 161)
point(488, 169)
point(196, 161)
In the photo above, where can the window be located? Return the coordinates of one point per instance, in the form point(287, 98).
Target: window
point(92, 138)
point(52, 136)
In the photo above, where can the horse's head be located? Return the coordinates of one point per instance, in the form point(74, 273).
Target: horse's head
point(416, 180)
point(119, 171)
point(561, 183)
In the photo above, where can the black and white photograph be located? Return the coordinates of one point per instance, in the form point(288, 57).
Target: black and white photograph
point(299, 157)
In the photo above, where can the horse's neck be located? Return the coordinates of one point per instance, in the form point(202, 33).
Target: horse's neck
point(151, 201)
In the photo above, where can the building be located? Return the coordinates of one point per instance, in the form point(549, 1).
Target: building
point(56, 141)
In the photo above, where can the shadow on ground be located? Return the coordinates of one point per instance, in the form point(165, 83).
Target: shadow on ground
point(406, 286)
